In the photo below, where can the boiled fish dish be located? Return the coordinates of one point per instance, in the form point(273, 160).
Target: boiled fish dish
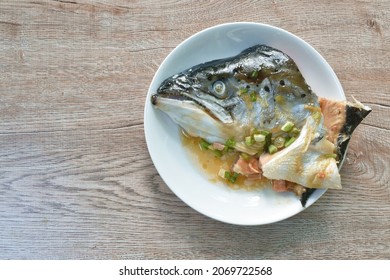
point(257, 106)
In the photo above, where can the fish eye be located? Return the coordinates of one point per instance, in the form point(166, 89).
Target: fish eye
point(219, 89)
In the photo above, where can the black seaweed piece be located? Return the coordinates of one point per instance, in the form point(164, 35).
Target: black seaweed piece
point(354, 116)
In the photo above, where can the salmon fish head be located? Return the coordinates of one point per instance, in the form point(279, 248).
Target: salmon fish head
point(261, 93)
point(259, 88)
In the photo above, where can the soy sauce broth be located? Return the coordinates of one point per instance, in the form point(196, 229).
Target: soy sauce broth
point(211, 164)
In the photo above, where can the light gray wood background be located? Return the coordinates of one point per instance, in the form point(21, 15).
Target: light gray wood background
point(76, 179)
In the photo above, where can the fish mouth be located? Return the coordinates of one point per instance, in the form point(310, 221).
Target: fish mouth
point(168, 95)
point(214, 108)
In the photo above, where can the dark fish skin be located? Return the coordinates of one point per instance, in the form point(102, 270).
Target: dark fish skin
point(355, 114)
point(305, 196)
point(273, 63)
point(267, 72)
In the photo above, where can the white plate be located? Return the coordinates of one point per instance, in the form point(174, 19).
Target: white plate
point(173, 162)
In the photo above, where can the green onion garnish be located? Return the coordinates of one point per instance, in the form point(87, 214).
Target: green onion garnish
point(295, 131)
point(231, 176)
point(204, 145)
point(254, 74)
point(268, 138)
point(253, 96)
point(272, 149)
point(259, 137)
point(218, 153)
point(245, 156)
point(234, 177)
point(230, 143)
point(264, 132)
point(243, 91)
point(287, 127)
point(289, 142)
point(279, 142)
point(249, 140)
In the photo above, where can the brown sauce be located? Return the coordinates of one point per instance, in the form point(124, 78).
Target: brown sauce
point(211, 164)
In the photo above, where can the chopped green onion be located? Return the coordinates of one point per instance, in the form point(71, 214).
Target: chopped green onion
point(230, 176)
point(264, 132)
point(230, 143)
point(268, 138)
point(245, 156)
point(204, 145)
point(254, 130)
point(249, 140)
point(259, 137)
point(221, 173)
point(243, 91)
point(254, 74)
point(253, 96)
point(295, 131)
point(218, 153)
point(233, 177)
point(279, 142)
point(272, 149)
point(287, 127)
point(289, 142)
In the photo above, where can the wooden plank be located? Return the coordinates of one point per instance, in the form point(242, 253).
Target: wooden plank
point(76, 179)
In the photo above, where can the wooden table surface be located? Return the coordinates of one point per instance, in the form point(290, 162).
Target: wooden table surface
point(76, 178)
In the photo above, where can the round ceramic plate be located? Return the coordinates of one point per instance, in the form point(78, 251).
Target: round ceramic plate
point(173, 162)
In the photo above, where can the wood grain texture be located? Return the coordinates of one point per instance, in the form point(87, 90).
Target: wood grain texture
point(76, 179)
